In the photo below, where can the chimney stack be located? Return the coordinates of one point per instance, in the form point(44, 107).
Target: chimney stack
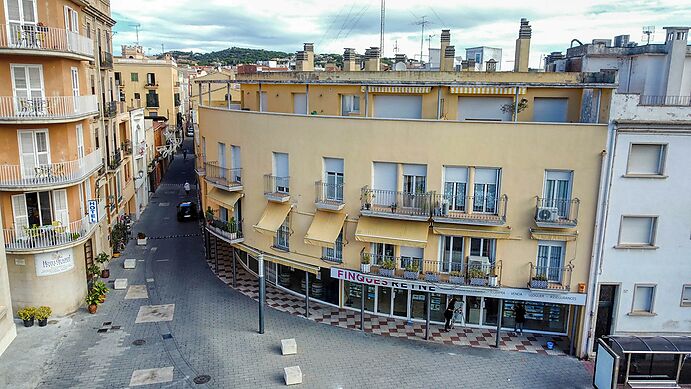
point(448, 55)
point(522, 47)
point(676, 40)
point(304, 60)
point(445, 41)
point(350, 63)
point(372, 59)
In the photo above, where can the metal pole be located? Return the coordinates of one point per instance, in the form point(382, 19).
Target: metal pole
point(367, 101)
point(438, 102)
point(515, 108)
point(307, 99)
point(228, 94)
point(307, 294)
point(200, 93)
point(573, 329)
point(362, 307)
point(428, 314)
point(499, 317)
point(235, 270)
point(261, 108)
point(262, 292)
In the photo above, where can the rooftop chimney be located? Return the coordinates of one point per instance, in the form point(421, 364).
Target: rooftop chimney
point(522, 47)
point(350, 62)
point(304, 61)
point(400, 62)
point(372, 59)
point(445, 40)
point(448, 55)
point(675, 44)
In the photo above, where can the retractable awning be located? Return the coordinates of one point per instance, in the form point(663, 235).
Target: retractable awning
point(486, 90)
point(539, 234)
point(272, 218)
point(225, 198)
point(415, 90)
point(325, 228)
point(396, 232)
point(450, 230)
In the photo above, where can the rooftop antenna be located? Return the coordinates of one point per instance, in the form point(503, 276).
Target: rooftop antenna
point(395, 47)
point(422, 23)
point(136, 28)
point(163, 49)
point(429, 41)
point(648, 31)
point(381, 30)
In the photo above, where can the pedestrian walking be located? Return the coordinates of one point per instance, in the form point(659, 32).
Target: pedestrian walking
point(519, 316)
point(184, 154)
point(187, 188)
point(458, 314)
point(448, 314)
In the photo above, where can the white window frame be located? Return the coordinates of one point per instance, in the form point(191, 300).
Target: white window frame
point(551, 245)
point(550, 199)
point(335, 253)
point(484, 206)
point(29, 90)
point(22, 19)
point(652, 234)
point(652, 300)
point(61, 215)
point(282, 239)
point(685, 303)
point(349, 102)
point(662, 159)
point(34, 151)
point(444, 261)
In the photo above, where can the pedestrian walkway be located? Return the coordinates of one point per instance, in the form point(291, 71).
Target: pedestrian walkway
point(282, 300)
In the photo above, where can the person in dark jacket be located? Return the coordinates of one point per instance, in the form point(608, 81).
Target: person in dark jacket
point(519, 316)
point(448, 314)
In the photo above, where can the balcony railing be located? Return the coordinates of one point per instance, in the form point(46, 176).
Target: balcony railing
point(471, 209)
point(681, 101)
point(33, 37)
point(556, 212)
point(200, 165)
point(276, 188)
point(229, 179)
point(47, 108)
point(329, 196)
point(41, 237)
point(151, 85)
point(59, 173)
point(126, 147)
point(110, 109)
point(390, 202)
point(115, 160)
point(450, 272)
point(230, 230)
point(106, 60)
point(550, 278)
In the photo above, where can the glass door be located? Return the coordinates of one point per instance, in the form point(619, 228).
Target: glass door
point(400, 303)
point(384, 300)
point(557, 192)
point(452, 256)
point(382, 252)
point(418, 305)
point(473, 307)
point(414, 187)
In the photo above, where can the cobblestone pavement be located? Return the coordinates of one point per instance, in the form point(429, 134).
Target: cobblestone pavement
point(213, 332)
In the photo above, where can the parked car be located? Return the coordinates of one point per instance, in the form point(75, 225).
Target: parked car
point(187, 210)
point(190, 131)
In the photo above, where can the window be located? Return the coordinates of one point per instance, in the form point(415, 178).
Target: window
point(483, 247)
point(137, 96)
point(27, 82)
point(71, 20)
point(88, 30)
point(637, 230)
point(557, 191)
point(455, 182)
point(34, 153)
point(118, 186)
point(152, 99)
point(236, 159)
point(643, 299)
point(452, 254)
point(134, 77)
point(335, 254)
point(550, 260)
point(350, 104)
point(478, 57)
point(333, 175)
point(646, 159)
point(40, 209)
point(414, 185)
point(300, 103)
point(686, 296)
point(485, 190)
point(282, 236)
point(150, 79)
point(484, 108)
point(20, 13)
point(382, 252)
point(280, 173)
point(550, 109)
point(398, 106)
point(411, 256)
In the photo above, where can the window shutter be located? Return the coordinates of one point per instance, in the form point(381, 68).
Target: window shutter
point(21, 216)
point(29, 12)
point(26, 150)
point(645, 159)
point(13, 10)
point(60, 205)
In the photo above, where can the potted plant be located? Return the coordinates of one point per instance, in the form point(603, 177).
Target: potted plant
point(365, 265)
point(92, 301)
point(477, 277)
point(431, 276)
point(42, 314)
point(412, 271)
point(369, 196)
point(539, 281)
point(456, 277)
point(511, 107)
point(27, 314)
point(141, 239)
point(493, 278)
point(387, 268)
point(94, 271)
point(232, 229)
point(393, 207)
point(102, 259)
point(209, 215)
point(101, 288)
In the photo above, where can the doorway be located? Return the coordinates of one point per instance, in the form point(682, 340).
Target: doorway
point(605, 311)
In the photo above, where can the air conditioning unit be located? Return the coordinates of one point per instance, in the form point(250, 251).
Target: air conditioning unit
point(478, 262)
point(547, 214)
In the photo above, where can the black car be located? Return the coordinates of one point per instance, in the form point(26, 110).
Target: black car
point(187, 210)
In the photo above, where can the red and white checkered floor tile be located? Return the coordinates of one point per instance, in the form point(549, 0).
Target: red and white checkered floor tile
point(386, 326)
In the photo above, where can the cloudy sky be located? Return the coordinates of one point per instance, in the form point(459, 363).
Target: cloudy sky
point(284, 25)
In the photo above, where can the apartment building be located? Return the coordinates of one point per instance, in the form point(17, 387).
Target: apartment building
point(645, 212)
point(152, 84)
point(8, 331)
point(379, 188)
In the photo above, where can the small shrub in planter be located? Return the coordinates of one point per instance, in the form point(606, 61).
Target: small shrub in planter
point(431, 276)
point(455, 277)
point(27, 314)
point(92, 301)
point(387, 268)
point(365, 265)
point(102, 258)
point(42, 315)
point(101, 288)
point(539, 282)
point(477, 277)
point(412, 272)
point(141, 239)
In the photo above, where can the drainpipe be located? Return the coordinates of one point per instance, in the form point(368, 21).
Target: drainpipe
point(261, 108)
point(262, 292)
point(515, 106)
point(307, 99)
point(200, 93)
point(228, 94)
point(367, 101)
point(439, 102)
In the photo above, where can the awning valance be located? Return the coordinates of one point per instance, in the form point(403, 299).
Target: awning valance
point(290, 263)
point(272, 218)
point(325, 228)
point(396, 232)
point(414, 90)
point(445, 229)
point(486, 90)
point(224, 198)
point(552, 235)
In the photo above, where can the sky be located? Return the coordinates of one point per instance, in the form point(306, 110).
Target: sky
point(210, 25)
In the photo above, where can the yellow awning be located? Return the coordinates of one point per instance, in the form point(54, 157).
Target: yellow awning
point(552, 235)
point(272, 218)
point(290, 263)
point(396, 232)
point(471, 232)
point(325, 228)
point(486, 90)
point(414, 90)
point(225, 198)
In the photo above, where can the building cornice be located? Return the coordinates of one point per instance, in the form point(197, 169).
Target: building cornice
point(649, 126)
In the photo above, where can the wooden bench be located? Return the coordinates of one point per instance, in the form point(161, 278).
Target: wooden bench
point(653, 384)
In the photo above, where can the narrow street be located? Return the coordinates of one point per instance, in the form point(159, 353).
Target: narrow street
point(206, 328)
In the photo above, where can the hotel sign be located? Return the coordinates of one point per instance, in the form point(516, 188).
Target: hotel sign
point(500, 293)
point(93, 211)
point(56, 262)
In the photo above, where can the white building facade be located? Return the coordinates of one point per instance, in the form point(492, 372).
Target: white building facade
point(140, 170)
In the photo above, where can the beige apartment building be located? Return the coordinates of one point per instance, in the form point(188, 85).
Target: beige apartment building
point(8, 331)
point(61, 129)
point(399, 184)
point(153, 84)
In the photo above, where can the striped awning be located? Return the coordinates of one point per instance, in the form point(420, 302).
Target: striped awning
point(478, 232)
point(413, 90)
point(538, 234)
point(486, 90)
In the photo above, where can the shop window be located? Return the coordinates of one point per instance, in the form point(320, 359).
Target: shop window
point(353, 295)
point(538, 316)
point(643, 299)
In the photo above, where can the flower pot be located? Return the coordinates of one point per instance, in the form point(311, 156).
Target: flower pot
point(493, 281)
point(368, 206)
point(432, 277)
point(105, 273)
point(386, 272)
point(102, 298)
point(457, 280)
point(411, 275)
point(92, 308)
point(478, 281)
point(116, 255)
point(538, 284)
point(29, 323)
point(43, 322)
point(365, 267)
point(141, 242)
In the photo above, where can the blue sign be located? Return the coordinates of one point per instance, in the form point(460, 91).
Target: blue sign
point(93, 211)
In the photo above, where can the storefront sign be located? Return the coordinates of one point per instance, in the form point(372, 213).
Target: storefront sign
point(501, 293)
point(56, 262)
point(93, 211)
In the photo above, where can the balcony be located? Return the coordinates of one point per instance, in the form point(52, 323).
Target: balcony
point(120, 84)
point(276, 189)
point(41, 109)
point(395, 204)
point(151, 85)
point(135, 104)
point(659, 101)
point(41, 40)
point(230, 231)
point(550, 279)
point(53, 237)
point(115, 160)
point(481, 211)
point(453, 273)
point(106, 60)
point(328, 197)
point(126, 147)
point(200, 165)
point(110, 109)
point(17, 177)
point(556, 213)
point(223, 178)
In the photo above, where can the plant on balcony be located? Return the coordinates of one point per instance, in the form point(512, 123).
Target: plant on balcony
point(92, 301)
point(232, 228)
point(141, 239)
point(387, 268)
point(393, 207)
point(431, 276)
point(456, 277)
point(539, 281)
point(42, 314)
point(102, 259)
point(209, 215)
point(365, 263)
point(412, 271)
point(27, 315)
point(493, 278)
point(477, 277)
point(511, 107)
point(368, 197)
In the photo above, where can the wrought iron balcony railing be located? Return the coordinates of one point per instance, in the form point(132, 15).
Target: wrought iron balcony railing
point(276, 188)
point(556, 212)
point(58, 173)
point(229, 179)
point(390, 202)
point(26, 238)
point(34, 37)
point(46, 108)
point(230, 230)
point(489, 210)
point(329, 196)
point(681, 101)
point(106, 60)
point(550, 278)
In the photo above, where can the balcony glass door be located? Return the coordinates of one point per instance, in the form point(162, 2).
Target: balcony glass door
point(452, 254)
point(20, 213)
point(280, 172)
point(222, 159)
point(75, 88)
point(27, 85)
point(485, 190)
point(35, 154)
point(72, 27)
point(382, 252)
point(456, 179)
point(80, 145)
point(21, 15)
point(549, 260)
point(557, 191)
point(61, 212)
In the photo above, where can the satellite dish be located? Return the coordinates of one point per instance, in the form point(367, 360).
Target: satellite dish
point(399, 67)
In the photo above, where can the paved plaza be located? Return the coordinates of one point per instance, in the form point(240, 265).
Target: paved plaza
point(178, 323)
